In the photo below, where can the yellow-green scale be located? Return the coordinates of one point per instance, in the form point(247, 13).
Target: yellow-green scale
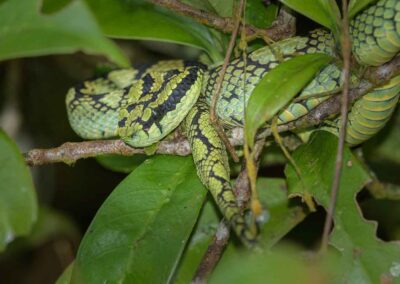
point(212, 165)
point(233, 98)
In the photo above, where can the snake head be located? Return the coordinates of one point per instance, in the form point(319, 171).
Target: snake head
point(159, 102)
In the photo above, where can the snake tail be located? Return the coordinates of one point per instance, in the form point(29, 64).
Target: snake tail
point(211, 159)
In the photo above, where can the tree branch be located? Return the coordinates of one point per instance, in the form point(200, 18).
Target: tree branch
point(280, 29)
point(213, 254)
point(71, 152)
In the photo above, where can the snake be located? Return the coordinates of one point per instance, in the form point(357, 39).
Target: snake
point(144, 103)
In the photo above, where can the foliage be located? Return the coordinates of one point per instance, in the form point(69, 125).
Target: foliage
point(278, 87)
point(18, 203)
point(153, 227)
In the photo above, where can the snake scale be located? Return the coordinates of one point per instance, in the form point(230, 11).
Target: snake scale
point(145, 103)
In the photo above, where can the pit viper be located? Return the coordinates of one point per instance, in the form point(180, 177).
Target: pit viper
point(143, 104)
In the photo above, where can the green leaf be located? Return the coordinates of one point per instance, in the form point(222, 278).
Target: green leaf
point(278, 266)
point(18, 204)
point(365, 259)
point(122, 164)
point(256, 12)
point(139, 20)
point(51, 6)
point(65, 277)
point(25, 32)
point(324, 12)
point(282, 218)
point(260, 15)
point(356, 6)
point(139, 233)
point(278, 87)
point(198, 243)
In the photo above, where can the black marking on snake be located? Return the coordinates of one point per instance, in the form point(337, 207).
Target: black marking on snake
point(191, 63)
point(148, 83)
point(170, 74)
point(121, 122)
point(97, 101)
point(96, 98)
point(172, 101)
point(141, 69)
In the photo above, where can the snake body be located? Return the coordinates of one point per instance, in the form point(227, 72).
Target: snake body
point(144, 104)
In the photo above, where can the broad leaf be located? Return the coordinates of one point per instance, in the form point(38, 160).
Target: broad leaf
point(324, 12)
point(140, 231)
point(281, 215)
point(278, 87)
point(18, 204)
point(260, 15)
point(365, 259)
point(65, 277)
point(26, 32)
point(141, 20)
point(52, 6)
point(281, 219)
point(198, 244)
point(277, 266)
point(356, 6)
point(256, 13)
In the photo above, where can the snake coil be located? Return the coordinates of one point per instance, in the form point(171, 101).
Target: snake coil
point(144, 104)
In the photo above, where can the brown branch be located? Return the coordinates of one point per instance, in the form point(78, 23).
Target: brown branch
point(71, 152)
point(281, 29)
point(213, 254)
point(346, 53)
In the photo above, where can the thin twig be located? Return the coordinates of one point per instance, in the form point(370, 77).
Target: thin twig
point(213, 254)
point(72, 151)
point(280, 29)
point(346, 53)
point(215, 97)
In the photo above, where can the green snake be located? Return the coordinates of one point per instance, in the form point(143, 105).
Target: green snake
point(143, 104)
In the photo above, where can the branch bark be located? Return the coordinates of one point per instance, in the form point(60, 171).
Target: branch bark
point(280, 29)
point(72, 151)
